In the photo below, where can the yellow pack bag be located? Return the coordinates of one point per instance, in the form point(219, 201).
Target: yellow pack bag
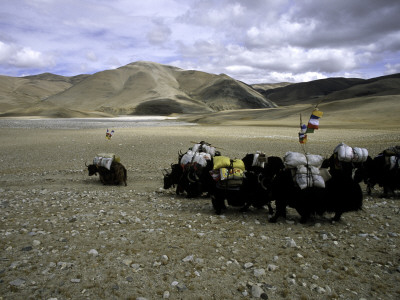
point(221, 162)
point(238, 164)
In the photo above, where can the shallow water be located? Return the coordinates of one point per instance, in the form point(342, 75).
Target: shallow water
point(88, 123)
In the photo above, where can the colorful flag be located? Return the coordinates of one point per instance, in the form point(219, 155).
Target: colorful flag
point(313, 123)
point(303, 134)
point(109, 134)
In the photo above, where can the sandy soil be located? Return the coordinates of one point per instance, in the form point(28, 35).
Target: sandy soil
point(63, 235)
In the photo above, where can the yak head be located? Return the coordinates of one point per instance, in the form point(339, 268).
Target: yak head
point(172, 178)
point(92, 169)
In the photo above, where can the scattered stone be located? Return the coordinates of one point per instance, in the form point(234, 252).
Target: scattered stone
point(181, 287)
point(256, 291)
point(127, 261)
point(136, 267)
point(290, 243)
point(259, 272)
point(272, 267)
point(188, 258)
point(164, 259)
point(248, 265)
point(93, 252)
point(18, 282)
point(166, 295)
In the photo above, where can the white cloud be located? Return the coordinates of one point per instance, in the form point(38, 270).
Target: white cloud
point(23, 57)
point(392, 68)
point(249, 40)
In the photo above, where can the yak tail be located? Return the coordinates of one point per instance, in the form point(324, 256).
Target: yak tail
point(125, 176)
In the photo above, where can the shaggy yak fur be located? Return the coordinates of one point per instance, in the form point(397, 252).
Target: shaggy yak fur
point(341, 193)
point(254, 189)
point(377, 171)
point(174, 177)
point(116, 174)
point(192, 179)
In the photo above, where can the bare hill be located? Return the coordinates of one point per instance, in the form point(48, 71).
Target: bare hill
point(361, 112)
point(146, 88)
point(137, 88)
point(333, 89)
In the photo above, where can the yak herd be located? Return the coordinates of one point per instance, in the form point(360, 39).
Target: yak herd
point(308, 183)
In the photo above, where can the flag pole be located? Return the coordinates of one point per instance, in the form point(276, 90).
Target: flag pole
point(303, 145)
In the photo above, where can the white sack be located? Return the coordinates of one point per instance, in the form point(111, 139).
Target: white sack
point(360, 154)
point(208, 149)
point(314, 160)
point(304, 181)
point(394, 162)
point(256, 161)
point(200, 159)
point(103, 162)
point(344, 152)
point(347, 154)
point(308, 177)
point(187, 157)
point(196, 148)
point(295, 159)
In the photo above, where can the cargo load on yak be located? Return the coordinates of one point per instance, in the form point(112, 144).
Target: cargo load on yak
point(348, 154)
point(105, 160)
point(306, 169)
point(392, 157)
point(200, 154)
point(259, 159)
point(226, 172)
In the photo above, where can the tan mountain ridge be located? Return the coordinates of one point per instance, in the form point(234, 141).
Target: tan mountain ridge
point(137, 88)
point(147, 88)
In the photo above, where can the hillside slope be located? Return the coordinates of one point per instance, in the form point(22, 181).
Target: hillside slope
point(333, 89)
point(137, 88)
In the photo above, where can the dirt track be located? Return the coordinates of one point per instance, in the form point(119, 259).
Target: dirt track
point(64, 235)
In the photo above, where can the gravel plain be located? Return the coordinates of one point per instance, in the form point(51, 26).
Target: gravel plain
point(63, 235)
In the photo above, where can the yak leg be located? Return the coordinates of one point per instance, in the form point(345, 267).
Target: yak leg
point(179, 189)
point(304, 214)
point(218, 202)
point(388, 191)
point(245, 207)
point(337, 216)
point(280, 211)
point(270, 209)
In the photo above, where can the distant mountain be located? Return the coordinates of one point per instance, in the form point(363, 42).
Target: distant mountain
point(137, 88)
point(147, 88)
point(332, 89)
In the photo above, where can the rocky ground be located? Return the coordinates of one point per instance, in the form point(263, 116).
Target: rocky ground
point(63, 235)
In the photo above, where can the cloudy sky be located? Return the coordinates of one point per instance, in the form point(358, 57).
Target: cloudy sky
point(250, 40)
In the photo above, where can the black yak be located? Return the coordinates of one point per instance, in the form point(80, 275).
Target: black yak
point(253, 191)
point(258, 179)
point(341, 193)
point(174, 177)
point(116, 175)
point(192, 179)
point(384, 170)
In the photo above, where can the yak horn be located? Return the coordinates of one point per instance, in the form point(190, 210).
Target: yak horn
point(190, 180)
point(262, 185)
